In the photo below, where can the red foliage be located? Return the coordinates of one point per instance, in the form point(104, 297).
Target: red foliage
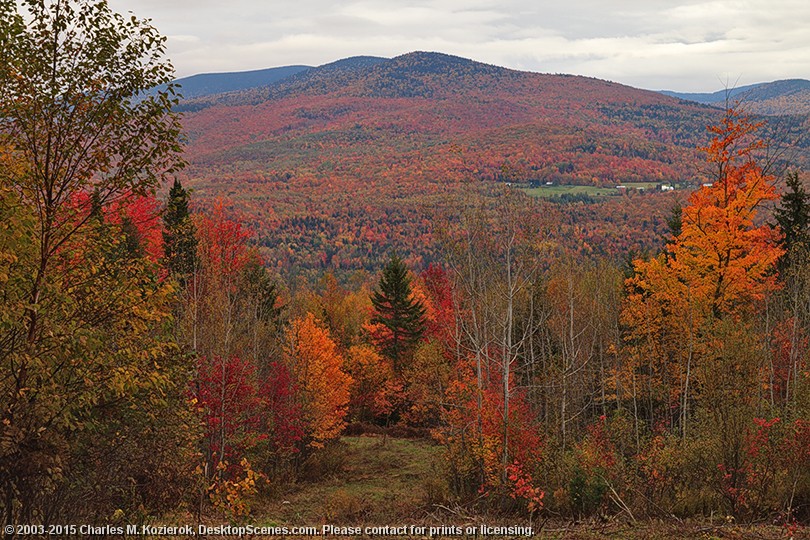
point(223, 244)
point(796, 445)
point(523, 487)
point(240, 410)
point(758, 442)
point(278, 391)
point(144, 214)
point(789, 340)
point(227, 393)
point(441, 319)
point(142, 211)
point(746, 483)
point(524, 443)
point(505, 452)
point(597, 452)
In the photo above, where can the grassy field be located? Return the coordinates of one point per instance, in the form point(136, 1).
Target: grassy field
point(371, 480)
point(367, 479)
point(593, 191)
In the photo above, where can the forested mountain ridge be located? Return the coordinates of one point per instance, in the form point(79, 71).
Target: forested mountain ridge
point(591, 131)
point(338, 164)
point(205, 88)
point(710, 98)
point(787, 96)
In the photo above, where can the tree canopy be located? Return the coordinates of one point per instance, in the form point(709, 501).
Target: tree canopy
point(83, 353)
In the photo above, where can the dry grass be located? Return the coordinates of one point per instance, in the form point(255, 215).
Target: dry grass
point(381, 480)
point(389, 481)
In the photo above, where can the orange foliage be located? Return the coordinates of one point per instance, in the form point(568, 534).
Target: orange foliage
point(323, 385)
point(372, 383)
point(725, 259)
point(721, 261)
point(719, 266)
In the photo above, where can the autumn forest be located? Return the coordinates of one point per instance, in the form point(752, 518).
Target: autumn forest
point(559, 300)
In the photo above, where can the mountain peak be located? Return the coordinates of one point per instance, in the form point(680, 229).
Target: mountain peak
point(431, 57)
point(427, 62)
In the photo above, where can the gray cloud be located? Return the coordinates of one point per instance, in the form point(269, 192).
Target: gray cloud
point(689, 45)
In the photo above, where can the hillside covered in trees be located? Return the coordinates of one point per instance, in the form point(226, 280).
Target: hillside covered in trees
point(205, 356)
point(336, 165)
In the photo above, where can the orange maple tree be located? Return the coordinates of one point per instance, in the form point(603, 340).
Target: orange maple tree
point(324, 386)
point(374, 383)
point(721, 260)
point(717, 268)
point(721, 254)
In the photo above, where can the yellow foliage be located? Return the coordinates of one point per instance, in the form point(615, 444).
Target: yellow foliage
point(235, 496)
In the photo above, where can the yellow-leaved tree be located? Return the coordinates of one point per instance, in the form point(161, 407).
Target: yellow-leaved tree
point(93, 414)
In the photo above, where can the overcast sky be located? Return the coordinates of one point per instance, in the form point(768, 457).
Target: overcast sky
point(693, 45)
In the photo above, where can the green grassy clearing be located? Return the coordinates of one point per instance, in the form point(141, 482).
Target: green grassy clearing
point(378, 480)
point(593, 191)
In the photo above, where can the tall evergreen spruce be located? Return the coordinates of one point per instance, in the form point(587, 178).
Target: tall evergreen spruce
point(675, 221)
point(132, 246)
point(179, 234)
point(397, 310)
point(793, 218)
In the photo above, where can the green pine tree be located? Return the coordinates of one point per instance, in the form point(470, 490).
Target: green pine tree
point(264, 291)
point(675, 221)
point(132, 247)
point(793, 218)
point(179, 234)
point(397, 310)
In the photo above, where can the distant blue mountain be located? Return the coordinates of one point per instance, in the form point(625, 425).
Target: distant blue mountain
point(788, 96)
point(256, 90)
point(206, 84)
point(711, 97)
